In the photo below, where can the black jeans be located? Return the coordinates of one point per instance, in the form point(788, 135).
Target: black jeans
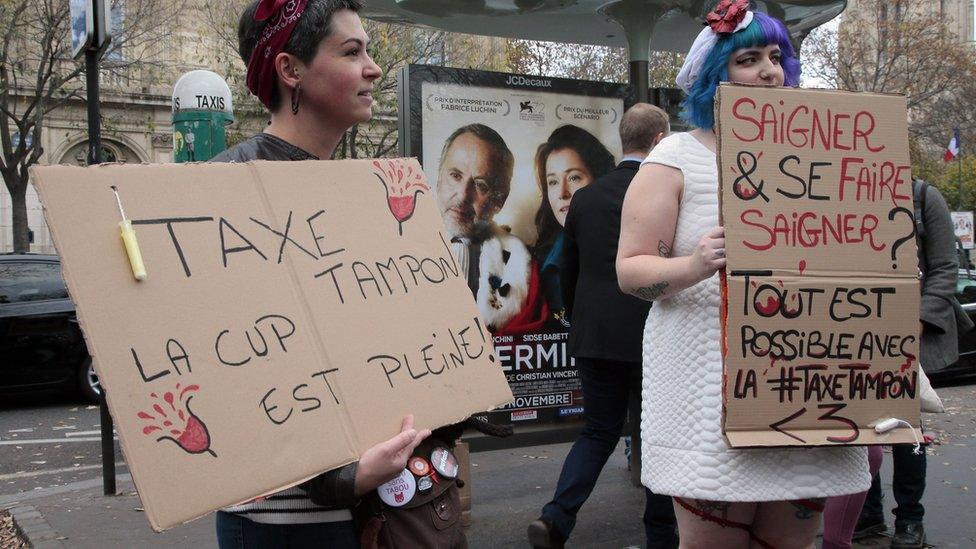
point(237, 532)
point(907, 483)
point(606, 385)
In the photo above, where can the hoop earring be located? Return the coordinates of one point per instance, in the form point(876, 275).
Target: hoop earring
point(295, 95)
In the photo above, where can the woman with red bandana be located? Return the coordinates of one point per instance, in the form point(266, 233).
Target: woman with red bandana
point(670, 251)
point(307, 61)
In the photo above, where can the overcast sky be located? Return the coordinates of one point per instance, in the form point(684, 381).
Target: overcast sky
point(809, 82)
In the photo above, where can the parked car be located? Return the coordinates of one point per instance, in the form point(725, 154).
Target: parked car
point(41, 346)
point(966, 294)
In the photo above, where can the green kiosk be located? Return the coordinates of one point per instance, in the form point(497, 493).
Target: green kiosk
point(202, 108)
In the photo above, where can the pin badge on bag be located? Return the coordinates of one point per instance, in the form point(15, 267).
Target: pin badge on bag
point(425, 485)
point(419, 466)
point(444, 462)
point(398, 491)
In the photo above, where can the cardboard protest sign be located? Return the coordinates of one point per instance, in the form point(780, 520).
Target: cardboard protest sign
point(821, 304)
point(293, 313)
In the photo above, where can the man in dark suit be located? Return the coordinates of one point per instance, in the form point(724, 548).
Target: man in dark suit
point(605, 337)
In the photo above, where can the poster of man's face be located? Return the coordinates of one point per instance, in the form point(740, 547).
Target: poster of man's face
point(468, 182)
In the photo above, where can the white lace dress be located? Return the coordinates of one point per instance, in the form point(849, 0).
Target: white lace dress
point(683, 452)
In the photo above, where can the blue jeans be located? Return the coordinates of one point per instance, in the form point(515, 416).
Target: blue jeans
point(238, 532)
point(907, 483)
point(606, 386)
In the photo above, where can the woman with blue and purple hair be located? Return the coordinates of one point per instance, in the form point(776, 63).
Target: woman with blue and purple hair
point(670, 251)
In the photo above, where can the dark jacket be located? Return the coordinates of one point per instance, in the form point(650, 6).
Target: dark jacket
point(942, 317)
point(336, 488)
point(605, 323)
point(263, 146)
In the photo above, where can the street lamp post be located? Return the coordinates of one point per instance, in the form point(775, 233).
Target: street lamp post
point(91, 34)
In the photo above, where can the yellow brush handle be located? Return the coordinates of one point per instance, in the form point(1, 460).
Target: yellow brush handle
point(132, 250)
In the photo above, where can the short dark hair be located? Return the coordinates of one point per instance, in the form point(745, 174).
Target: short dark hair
point(502, 159)
point(313, 26)
point(596, 157)
point(640, 125)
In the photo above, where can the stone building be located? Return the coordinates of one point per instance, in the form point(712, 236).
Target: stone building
point(921, 48)
point(963, 17)
point(958, 14)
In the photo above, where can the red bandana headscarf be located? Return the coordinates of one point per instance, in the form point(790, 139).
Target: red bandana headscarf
point(283, 15)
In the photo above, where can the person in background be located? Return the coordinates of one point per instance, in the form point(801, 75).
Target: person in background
point(307, 62)
point(942, 319)
point(604, 338)
point(671, 249)
point(841, 512)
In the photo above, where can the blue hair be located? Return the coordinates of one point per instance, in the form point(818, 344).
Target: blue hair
point(697, 107)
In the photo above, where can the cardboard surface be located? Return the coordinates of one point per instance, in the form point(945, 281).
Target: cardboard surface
point(821, 301)
point(293, 313)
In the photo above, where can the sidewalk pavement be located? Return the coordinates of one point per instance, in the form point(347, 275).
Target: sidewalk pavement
point(509, 487)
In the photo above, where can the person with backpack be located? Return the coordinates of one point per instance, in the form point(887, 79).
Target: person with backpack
point(941, 319)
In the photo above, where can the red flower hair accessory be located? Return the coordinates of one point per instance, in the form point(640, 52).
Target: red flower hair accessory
point(727, 15)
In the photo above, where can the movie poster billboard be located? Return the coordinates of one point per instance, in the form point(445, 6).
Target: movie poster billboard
point(504, 154)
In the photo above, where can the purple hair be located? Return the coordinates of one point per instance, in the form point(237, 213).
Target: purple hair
point(697, 107)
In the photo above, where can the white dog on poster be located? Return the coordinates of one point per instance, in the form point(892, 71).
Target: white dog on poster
point(504, 271)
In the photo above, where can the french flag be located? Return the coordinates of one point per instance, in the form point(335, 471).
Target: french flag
point(953, 150)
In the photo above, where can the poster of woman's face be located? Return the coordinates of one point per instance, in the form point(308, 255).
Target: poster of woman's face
point(565, 174)
point(569, 159)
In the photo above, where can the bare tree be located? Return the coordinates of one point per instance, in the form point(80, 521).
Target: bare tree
point(220, 19)
point(664, 67)
point(561, 60)
point(588, 62)
point(956, 108)
point(901, 46)
point(38, 76)
point(906, 46)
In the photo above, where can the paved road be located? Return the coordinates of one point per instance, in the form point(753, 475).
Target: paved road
point(50, 458)
point(47, 443)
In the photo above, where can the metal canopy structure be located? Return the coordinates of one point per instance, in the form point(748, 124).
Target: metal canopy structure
point(640, 26)
point(668, 25)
